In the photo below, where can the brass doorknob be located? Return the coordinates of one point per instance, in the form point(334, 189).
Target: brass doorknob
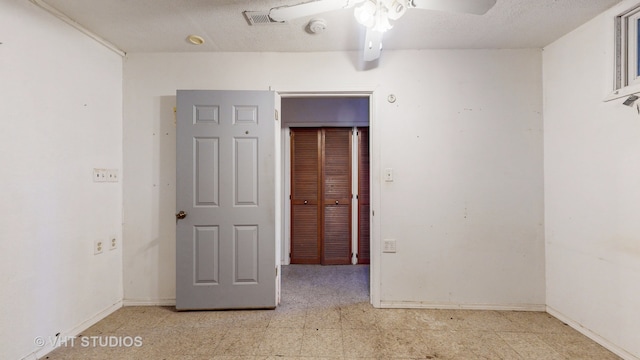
point(336, 202)
point(181, 215)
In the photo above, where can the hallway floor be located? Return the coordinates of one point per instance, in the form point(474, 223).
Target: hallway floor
point(325, 313)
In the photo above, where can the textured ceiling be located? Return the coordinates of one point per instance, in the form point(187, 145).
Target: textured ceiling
point(163, 25)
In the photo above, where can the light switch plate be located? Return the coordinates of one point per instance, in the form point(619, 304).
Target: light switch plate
point(99, 175)
point(388, 174)
point(105, 175)
point(112, 175)
point(389, 246)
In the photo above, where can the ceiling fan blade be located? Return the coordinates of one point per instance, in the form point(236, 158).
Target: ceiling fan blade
point(285, 13)
point(477, 7)
point(372, 45)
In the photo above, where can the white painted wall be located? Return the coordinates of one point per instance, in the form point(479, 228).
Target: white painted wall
point(592, 189)
point(61, 103)
point(464, 139)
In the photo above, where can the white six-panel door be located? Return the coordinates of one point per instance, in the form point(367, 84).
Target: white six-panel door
point(225, 245)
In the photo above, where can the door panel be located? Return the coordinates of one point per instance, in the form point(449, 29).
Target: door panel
point(337, 235)
point(245, 172)
point(305, 194)
point(336, 156)
point(363, 196)
point(246, 254)
point(207, 171)
point(206, 257)
point(305, 247)
point(225, 247)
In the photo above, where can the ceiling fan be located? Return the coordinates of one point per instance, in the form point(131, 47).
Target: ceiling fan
point(375, 15)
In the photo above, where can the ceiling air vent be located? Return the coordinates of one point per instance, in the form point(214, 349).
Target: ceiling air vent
point(259, 18)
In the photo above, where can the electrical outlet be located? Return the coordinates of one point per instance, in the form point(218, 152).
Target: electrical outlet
point(113, 243)
point(98, 247)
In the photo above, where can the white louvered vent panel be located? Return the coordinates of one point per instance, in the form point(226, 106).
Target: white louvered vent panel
point(259, 18)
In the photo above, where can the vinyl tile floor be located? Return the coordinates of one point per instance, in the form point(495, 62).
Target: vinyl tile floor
point(325, 314)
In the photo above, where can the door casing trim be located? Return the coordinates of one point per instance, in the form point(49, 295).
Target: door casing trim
point(375, 188)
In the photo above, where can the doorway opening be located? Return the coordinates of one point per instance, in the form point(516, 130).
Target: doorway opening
point(325, 172)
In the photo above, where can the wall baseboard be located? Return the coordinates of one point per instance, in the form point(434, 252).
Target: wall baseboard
point(73, 332)
point(149, 302)
point(591, 335)
point(446, 306)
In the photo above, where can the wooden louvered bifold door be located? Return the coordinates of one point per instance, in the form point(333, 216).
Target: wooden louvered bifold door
point(363, 196)
point(321, 196)
point(336, 194)
point(305, 196)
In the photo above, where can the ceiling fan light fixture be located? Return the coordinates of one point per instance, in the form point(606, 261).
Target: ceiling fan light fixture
point(365, 14)
point(382, 20)
point(396, 8)
point(375, 14)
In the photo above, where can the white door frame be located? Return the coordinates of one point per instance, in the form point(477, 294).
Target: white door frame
point(374, 181)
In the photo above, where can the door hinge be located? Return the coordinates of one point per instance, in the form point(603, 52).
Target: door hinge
point(276, 115)
point(276, 271)
point(289, 197)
